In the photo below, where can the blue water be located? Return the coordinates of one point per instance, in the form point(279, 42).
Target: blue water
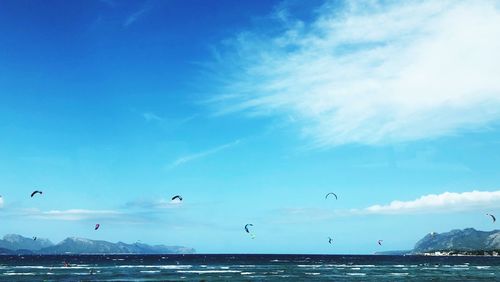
point(247, 268)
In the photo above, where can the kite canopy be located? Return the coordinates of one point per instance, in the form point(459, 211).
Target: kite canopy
point(36, 192)
point(335, 195)
point(380, 242)
point(97, 226)
point(246, 227)
point(248, 230)
point(492, 217)
point(177, 197)
point(330, 240)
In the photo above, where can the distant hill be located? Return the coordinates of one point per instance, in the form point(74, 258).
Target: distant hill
point(16, 244)
point(7, 252)
point(467, 239)
point(87, 246)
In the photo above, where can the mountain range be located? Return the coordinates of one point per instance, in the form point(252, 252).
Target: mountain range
point(17, 244)
point(468, 241)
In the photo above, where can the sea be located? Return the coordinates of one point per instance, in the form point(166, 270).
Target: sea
point(247, 268)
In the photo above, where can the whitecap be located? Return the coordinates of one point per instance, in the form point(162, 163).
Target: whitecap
point(208, 271)
point(247, 273)
point(310, 265)
point(29, 266)
point(182, 266)
point(149, 271)
point(19, 273)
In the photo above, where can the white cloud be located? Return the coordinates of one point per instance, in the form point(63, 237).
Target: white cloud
point(1, 202)
point(73, 214)
point(371, 73)
point(445, 202)
point(188, 158)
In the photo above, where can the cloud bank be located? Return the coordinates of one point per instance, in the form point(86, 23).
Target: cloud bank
point(369, 72)
point(447, 201)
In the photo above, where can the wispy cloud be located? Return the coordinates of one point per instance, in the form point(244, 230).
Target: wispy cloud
point(148, 116)
point(153, 204)
point(73, 214)
point(370, 72)
point(164, 121)
point(135, 16)
point(306, 215)
point(110, 3)
point(121, 215)
point(192, 157)
point(445, 202)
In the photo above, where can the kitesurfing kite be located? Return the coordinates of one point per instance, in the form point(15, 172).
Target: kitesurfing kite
point(34, 238)
point(335, 195)
point(330, 240)
point(248, 230)
point(36, 192)
point(178, 197)
point(97, 226)
point(246, 227)
point(380, 242)
point(492, 217)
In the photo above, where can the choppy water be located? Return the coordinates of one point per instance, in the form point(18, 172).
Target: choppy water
point(247, 268)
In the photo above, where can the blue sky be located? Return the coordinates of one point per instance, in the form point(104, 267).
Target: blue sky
point(252, 111)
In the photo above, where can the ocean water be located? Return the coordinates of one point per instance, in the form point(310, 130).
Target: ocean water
point(247, 268)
